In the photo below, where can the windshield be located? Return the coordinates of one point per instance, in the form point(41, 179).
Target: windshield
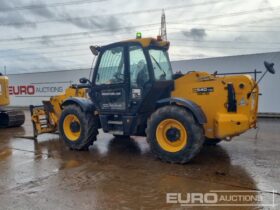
point(111, 67)
point(161, 64)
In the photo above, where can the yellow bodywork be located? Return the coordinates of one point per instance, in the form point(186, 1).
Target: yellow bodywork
point(4, 91)
point(220, 123)
point(45, 118)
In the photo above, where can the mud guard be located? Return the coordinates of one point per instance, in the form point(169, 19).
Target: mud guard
point(193, 107)
point(85, 104)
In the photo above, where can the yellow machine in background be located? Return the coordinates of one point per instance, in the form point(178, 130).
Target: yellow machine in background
point(45, 118)
point(4, 92)
point(8, 117)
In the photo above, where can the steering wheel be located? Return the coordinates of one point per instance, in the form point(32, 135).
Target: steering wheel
point(162, 77)
point(141, 73)
point(119, 76)
point(269, 67)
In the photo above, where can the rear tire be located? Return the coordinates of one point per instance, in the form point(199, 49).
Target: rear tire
point(77, 128)
point(174, 135)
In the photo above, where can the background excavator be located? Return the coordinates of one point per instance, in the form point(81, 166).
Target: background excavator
point(133, 92)
point(8, 117)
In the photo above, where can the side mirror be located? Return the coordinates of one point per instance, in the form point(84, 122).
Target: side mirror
point(84, 80)
point(94, 50)
point(269, 67)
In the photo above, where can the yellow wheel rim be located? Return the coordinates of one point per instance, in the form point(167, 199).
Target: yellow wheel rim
point(171, 135)
point(70, 133)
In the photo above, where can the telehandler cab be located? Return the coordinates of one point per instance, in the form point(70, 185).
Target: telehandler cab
point(133, 92)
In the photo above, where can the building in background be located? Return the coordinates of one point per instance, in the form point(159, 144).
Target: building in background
point(32, 88)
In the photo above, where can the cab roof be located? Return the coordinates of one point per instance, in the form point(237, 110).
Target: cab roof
point(147, 42)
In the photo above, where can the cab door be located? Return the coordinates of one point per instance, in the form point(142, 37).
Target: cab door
point(110, 80)
point(139, 77)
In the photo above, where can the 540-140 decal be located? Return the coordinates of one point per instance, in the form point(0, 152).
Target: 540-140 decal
point(203, 90)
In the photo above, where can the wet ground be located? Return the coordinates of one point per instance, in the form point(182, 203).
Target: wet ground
point(123, 174)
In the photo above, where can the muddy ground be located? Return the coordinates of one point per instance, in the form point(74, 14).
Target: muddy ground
point(123, 174)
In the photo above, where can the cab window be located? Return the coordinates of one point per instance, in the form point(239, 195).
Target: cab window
point(111, 67)
point(161, 64)
point(139, 74)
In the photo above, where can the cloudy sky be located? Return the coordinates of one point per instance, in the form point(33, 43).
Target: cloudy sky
point(52, 35)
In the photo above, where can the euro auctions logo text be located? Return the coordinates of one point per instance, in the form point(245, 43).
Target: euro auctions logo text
point(222, 198)
point(31, 90)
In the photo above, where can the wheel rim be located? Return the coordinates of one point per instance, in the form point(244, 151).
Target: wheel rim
point(71, 127)
point(171, 135)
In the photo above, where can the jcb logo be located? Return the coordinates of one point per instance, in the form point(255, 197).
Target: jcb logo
point(203, 90)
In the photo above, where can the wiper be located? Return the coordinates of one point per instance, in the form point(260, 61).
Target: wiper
point(158, 65)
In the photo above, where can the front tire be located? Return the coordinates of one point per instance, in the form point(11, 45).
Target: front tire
point(174, 135)
point(78, 129)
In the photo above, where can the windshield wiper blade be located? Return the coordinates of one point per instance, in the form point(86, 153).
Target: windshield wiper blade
point(159, 66)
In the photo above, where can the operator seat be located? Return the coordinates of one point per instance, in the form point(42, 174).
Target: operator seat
point(141, 73)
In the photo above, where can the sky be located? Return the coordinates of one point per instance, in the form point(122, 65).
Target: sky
point(54, 35)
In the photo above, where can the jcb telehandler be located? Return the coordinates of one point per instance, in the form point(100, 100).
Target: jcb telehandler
point(133, 92)
point(8, 117)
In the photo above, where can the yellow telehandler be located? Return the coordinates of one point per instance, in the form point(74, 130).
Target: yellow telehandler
point(8, 117)
point(133, 92)
point(45, 118)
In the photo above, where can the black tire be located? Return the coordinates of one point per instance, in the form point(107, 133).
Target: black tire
point(211, 142)
point(195, 134)
point(88, 128)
